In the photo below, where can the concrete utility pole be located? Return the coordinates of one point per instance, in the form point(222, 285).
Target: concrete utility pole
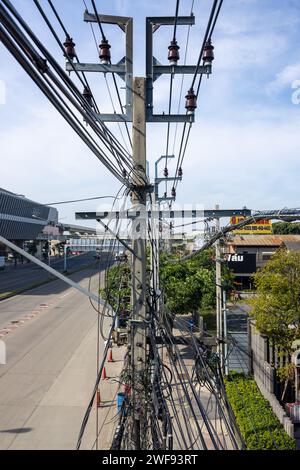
point(225, 345)
point(219, 294)
point(139, 260)
point(139, 109)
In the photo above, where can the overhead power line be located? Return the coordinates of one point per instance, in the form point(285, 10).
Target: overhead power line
point(282, 214)
point(79, 200)
point(41, 74)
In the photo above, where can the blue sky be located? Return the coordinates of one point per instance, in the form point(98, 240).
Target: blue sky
point(244, 147)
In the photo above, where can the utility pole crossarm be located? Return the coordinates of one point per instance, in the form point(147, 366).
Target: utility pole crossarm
point(168, 214)
point(124, 68)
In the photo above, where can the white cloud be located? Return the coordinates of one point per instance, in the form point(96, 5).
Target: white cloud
point(47, 162)
point(246, 51)
point(2, 92)
point(255, 164)
point(284, 78)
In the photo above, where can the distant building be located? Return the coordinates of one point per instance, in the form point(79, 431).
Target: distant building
point(246, 253)
point(22, 218)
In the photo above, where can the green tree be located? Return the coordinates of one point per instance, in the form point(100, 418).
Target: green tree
point(276, 308)
point(118, 286)
point(190, 285)
point(286, 228)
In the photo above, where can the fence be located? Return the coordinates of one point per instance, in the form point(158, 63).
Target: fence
point(265, 359)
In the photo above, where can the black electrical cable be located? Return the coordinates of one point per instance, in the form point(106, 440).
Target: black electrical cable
point(287, 214)
point(105, 129)
point(89, 408)
point(214, 389)
point(183, 371)
point(209, 30)
point(214, 438)
point(176, 19)
point(78, 200)
point(53, 99)
point(98, 20)
point(108, 88)
point(60, 45)
point(171, 89)
point(204, 41)
point(50, 58)
point(215, 20)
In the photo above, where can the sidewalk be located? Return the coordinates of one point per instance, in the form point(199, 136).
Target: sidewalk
point(208, 401)
point(237, 329)
point(106, 414)
point(56, 421)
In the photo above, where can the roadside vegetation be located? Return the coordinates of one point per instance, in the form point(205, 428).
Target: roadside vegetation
point(190, 286)
point(286, 228)
point(276, 308)
point(257, 422)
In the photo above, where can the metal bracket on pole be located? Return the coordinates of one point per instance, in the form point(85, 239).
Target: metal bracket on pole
point(157, 180)
point(167, 198)
point(172, 214)
point(154, 69)
point(124, 68)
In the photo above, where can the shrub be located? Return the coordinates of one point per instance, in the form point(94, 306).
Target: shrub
point(258, 424)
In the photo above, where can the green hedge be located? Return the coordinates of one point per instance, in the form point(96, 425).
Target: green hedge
point(258, 424)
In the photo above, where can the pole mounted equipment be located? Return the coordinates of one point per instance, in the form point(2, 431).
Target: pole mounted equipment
point(191, 102)
point(208, 53)
point(123, 68)
point(88, 96)
point(173, 54)
point(104, 52)
point(69, 48)
point(208, 56)
point(154, 69)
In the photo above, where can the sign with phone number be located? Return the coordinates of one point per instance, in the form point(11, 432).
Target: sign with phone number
point(260, 227)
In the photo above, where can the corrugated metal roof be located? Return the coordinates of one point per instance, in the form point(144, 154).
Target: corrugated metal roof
point(262, 240)
point(293, 246)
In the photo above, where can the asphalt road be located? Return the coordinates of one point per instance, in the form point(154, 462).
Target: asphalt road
point(27, 274)
point(51, 365)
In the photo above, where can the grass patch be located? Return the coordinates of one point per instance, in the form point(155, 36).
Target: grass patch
point(259, 426)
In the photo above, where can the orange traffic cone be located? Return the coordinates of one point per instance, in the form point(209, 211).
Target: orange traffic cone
point(110, 356)
point(98, 399)
point(104, 376)
point(127, 389)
